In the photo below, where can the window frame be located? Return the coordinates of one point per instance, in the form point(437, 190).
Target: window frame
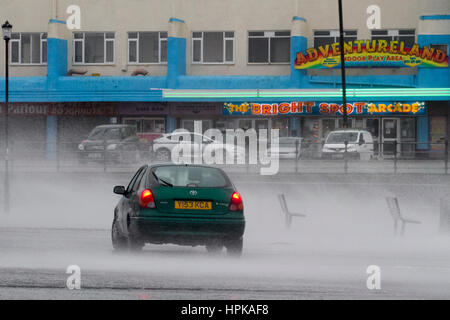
point(333, 33)
point(201, 39)
point(394, 34)
point(268, 36)
point(136, 40)
point(434, 45)
point(83, 48)
point(19, 42)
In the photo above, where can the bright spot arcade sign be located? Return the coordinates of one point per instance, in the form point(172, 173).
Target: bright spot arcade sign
point(324, 108)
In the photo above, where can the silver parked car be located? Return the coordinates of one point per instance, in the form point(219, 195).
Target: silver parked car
point(197, 145)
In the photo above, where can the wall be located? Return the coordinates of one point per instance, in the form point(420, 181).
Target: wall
point(202, 15)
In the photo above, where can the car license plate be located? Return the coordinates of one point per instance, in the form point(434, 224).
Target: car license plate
point(95, 155)
point(337, 156)
point(193, 205)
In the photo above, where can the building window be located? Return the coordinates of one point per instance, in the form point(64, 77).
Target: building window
point(146, 125)
point(269, 46)
point(407, 36)
point(213, 47)
point(442, 47)
point(147, 47)
point(28, 48)
point(93, 47)
point(324, 37)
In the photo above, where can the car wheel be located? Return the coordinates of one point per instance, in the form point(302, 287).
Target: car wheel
point(214, 248)
point(119, 242)
point(234, 247)
point(162, 154)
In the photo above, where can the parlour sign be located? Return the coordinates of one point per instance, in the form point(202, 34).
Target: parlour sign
point(324, 108)
point(372, 53)
point(59, 109)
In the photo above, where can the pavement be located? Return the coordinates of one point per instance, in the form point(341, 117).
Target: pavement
point(58, 220)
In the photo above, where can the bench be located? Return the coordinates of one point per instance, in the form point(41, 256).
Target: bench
point(397, 216)
point(288, 215)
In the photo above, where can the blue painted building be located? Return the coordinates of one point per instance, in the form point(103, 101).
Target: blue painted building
point(411, 107)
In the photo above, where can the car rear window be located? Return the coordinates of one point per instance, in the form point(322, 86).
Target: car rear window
point(113, 133)
point(192, 176)
point(341, 137)
point(96, 134)
point(105, 133)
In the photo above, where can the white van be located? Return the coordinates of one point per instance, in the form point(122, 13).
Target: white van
point(359, 144)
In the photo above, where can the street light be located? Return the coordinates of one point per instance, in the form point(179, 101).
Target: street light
point(6, 28)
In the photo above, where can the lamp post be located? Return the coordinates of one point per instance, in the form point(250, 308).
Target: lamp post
point(6, 28)
point(341, 45)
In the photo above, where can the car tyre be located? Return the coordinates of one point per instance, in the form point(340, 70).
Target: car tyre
point(119, 242)
point(234, 247)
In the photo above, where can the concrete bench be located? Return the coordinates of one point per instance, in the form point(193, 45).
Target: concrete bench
point(288, 215)
point(397, 216)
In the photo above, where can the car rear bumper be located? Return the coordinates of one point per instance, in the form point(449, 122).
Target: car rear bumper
point(190, 231)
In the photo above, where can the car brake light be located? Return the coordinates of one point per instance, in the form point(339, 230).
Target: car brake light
point(236, 203)
point(146, 199)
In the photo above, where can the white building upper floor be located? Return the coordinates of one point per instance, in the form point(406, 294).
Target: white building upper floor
point(229, 37)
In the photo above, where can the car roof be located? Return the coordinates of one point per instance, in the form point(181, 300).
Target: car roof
point(155, 165)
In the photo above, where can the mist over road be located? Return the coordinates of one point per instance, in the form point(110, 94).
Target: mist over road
point(59, 220)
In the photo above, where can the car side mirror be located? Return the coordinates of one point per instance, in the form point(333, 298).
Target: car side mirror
point(361, 142)
point(119, 190)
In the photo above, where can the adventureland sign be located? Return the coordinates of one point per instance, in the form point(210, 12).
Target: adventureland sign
point(372, 53)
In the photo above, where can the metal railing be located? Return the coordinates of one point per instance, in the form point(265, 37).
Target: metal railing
point(296, 157)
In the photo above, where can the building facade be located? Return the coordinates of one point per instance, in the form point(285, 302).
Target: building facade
point(160, 65)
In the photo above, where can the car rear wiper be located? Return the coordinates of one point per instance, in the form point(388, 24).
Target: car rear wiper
point(163, 182)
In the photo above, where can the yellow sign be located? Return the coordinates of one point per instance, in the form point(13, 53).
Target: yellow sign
point(372, 53)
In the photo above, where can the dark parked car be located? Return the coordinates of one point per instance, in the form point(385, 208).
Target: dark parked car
point(111, 142)
point(180, 204)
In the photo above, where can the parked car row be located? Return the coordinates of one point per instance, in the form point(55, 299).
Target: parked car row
point(112, 143)
point(119, 143)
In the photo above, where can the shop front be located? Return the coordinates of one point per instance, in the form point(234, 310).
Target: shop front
point(35, 129)
point(386, 131)
point(27, 128)
point(148, 118)
point(439, 120)
point(391, 124)
point(186, 113)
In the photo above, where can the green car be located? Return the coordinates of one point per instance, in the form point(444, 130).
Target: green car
point(181, 204)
